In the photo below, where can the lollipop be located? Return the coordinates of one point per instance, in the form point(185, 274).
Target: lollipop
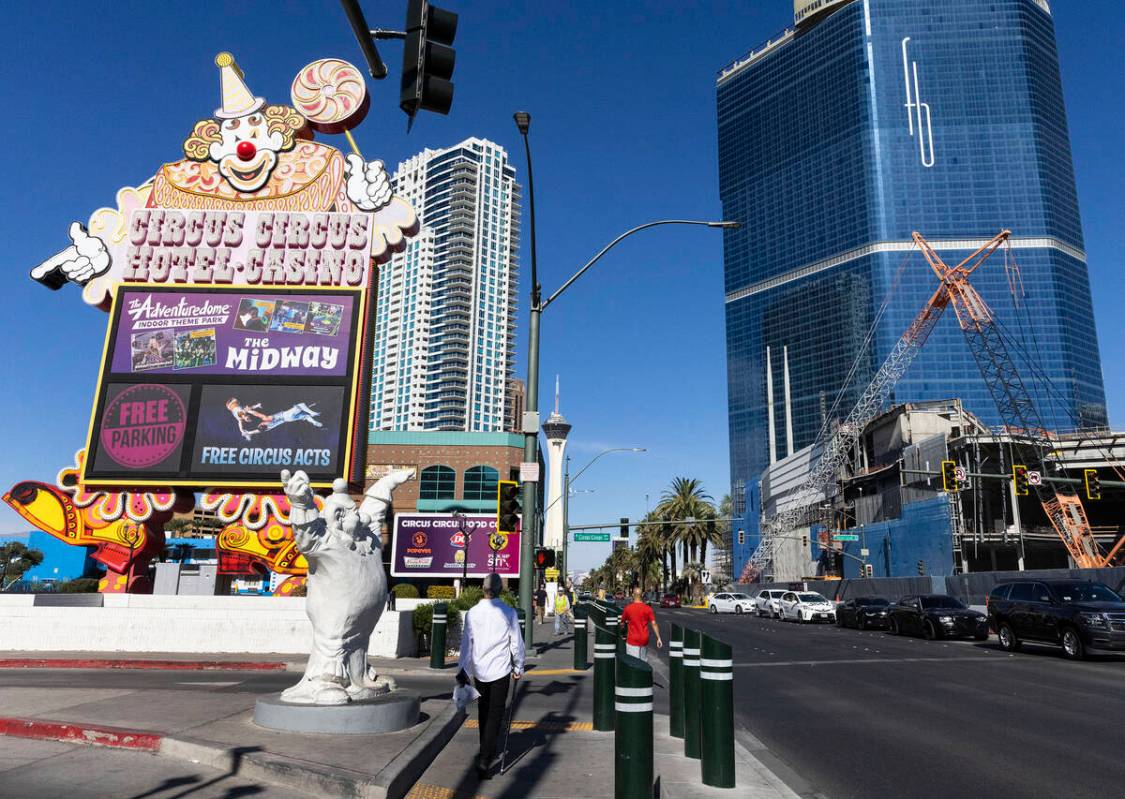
point(332, 96)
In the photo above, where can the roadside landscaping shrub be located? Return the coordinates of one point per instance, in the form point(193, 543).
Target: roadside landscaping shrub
point(405, 591)
point(439, 592)
point(83, 585)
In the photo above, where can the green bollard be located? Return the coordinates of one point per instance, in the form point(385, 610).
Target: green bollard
point(605, 649)
point(676, 681)
point(622, 634)
point(437, 635)
point(691, 694)
point(632, 739)
point(581, 641)
point(716, 712)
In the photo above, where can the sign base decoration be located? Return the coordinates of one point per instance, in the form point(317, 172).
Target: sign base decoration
point(125, 529)
point(257, 536)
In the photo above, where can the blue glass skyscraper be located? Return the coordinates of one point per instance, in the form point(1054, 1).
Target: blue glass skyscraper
point(866, 121)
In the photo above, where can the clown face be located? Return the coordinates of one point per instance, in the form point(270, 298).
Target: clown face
point(247, 152)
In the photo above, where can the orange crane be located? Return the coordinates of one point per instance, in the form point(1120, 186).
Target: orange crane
point(1060, 501)
point(1030, 438)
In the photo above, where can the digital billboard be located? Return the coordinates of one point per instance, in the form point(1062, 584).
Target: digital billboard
point(214, 386)
point(433, 545)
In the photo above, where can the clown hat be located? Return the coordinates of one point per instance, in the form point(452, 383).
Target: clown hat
point(237, 99)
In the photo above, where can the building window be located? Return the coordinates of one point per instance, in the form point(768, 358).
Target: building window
point(438, 482)
point(480, 482)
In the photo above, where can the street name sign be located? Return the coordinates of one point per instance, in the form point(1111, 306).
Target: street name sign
point(598, 537)
point(845, 537)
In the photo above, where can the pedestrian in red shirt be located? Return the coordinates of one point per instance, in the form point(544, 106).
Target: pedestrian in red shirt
point(638, 616)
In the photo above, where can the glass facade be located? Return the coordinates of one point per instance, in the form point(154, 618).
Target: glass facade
point(837, 140)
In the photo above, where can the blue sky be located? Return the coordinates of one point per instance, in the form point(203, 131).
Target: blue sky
point(622, 98)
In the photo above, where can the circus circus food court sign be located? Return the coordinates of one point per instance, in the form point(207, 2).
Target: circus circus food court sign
point(237, 279)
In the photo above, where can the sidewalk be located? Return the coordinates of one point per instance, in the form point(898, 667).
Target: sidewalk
point(554, 753)
point(205, 719)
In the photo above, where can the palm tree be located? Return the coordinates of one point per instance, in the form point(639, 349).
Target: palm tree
point(686, 499)
point(649, 551)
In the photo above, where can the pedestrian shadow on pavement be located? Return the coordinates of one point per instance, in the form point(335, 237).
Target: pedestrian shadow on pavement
point(198, 783)
point(519, 783)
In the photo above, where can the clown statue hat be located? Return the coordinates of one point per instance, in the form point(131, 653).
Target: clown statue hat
point(238, 101)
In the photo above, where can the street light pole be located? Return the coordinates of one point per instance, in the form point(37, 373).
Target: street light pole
point(531, 431)
point(531, 400)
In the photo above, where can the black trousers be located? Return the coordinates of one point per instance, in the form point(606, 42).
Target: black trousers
point(490, 706)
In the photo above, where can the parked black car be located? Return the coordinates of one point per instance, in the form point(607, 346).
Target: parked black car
point(936, 616)
point(863, 612)
point(1081, 617)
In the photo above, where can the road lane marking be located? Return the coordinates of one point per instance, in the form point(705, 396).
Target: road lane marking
point(542, 726)
point(852, 661)
point(221, 684)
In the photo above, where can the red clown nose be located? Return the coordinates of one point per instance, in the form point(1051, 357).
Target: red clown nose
point(246, 150)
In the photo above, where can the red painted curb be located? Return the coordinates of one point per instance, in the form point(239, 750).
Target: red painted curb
point(80, 733)
point(168, 665)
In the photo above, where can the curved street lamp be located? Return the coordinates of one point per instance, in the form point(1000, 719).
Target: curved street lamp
point(531, 436)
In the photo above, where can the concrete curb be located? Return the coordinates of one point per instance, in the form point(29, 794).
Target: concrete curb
point(142, 664)
point(394, 781)
point(92, 734)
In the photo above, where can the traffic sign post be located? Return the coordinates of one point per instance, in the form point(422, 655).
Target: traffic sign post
point(602, 538)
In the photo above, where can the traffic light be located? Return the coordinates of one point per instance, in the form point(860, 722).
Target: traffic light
point(544, 558)
point(804, 540)
point(508, 506)
point(1093, 484)
point(1019, 478)
point(922, 568)
point(741, 537)
point(949, 479)
point(427, 59)
point(868, 570)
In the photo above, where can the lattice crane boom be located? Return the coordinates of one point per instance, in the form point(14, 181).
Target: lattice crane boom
point(825, 471)
point(1030, 438)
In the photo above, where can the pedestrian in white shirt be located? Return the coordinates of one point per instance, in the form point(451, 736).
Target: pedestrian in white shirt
point(492, 655)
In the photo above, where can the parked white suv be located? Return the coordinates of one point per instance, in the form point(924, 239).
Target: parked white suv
point(802, 606)
point(730, 603)
point(766, 602)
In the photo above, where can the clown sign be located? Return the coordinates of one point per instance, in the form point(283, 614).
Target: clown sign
point(254, 200)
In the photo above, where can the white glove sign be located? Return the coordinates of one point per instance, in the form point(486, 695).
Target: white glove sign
point(86, 258)
point(369, 186)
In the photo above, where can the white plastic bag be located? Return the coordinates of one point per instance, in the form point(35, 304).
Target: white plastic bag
point(463, 695)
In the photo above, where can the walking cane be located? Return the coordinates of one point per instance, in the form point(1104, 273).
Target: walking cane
point(508, 726)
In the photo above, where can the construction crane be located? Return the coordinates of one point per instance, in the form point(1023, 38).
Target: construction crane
point(1030, 438)
point(1062, 505)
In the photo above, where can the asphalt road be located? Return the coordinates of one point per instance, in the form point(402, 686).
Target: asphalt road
point(867, 714)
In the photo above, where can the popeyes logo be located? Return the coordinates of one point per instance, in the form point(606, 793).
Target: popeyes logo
point(418, 540)
point(254, 200)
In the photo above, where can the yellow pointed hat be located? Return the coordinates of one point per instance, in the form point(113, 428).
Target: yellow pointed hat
point(237, 99)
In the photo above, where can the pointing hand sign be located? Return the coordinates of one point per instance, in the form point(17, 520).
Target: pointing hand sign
point(86, 258)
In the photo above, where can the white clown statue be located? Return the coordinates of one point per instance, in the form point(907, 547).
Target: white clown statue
point(347, 587)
